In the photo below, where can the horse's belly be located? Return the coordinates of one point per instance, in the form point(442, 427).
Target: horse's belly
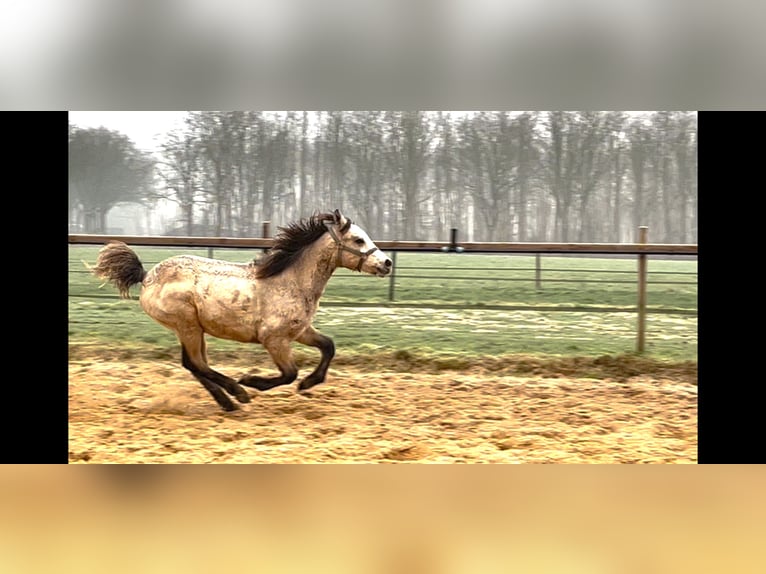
point(235, 328)
point(231, 318)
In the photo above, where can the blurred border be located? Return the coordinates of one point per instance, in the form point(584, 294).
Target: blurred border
point(382, 519)
point(454, 54)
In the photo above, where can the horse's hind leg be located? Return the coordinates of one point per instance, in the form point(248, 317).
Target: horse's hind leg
point(193, 358)
point(280, 352)
point(313, 338)
point(213, 388)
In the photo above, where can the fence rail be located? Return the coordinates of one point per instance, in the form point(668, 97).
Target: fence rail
point(641, 250)
point(422, 246)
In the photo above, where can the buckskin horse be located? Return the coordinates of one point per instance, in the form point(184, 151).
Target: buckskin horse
point(271, 301)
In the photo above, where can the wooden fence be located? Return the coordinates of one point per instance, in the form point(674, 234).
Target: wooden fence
point(641, 250)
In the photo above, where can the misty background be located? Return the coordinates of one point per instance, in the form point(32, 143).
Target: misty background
point(566, 176)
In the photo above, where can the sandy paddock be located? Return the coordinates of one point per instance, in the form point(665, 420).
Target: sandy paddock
point(124, 409)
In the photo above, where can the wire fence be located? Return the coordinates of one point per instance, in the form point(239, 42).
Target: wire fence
point(426, 284)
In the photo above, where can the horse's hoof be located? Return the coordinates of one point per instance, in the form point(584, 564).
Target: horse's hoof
point(307, 384)
point(256, 383)
point(243, 398)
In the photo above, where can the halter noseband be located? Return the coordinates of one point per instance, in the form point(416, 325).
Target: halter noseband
point(363, 255)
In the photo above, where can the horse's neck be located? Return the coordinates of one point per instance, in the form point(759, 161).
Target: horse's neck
point(315, 267)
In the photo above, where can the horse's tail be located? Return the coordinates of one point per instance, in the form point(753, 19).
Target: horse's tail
point(119, 265)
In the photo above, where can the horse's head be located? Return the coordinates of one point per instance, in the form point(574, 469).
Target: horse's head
point(356, 250)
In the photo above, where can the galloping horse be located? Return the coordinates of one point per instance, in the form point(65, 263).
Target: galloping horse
point(271, 302)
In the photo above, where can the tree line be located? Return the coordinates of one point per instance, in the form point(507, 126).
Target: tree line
point(408, 175)
point(105, 168)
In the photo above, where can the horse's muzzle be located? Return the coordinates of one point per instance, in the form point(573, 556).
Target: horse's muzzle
point(384, 269)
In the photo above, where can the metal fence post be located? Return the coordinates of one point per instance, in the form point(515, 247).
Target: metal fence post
point(641, 339)
point(538, 286)
point(393, 273)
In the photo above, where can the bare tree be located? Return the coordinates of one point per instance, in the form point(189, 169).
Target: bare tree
point(303, 203)
point(526, 158)
point(366, 158)
point(408, 152)
point(180, 171)
point(594, 164)
point(448, 195)
point(557, 175)
point(684, 147)
point(562, 162)
point(640, 142)
point(617, 148)
point(491, 151)
point(106, 168)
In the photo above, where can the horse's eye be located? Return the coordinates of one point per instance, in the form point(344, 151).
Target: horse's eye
point(359, 241)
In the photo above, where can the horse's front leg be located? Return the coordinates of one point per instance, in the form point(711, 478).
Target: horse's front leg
point(313, 338)
point(282, 355)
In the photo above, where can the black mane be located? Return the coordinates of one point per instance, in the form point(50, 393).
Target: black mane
point(290, 243)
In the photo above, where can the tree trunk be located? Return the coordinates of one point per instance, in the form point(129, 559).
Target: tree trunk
point(102, 220)
point(638, 208)
point(667, 201)
point(523, 195)
point(188, 215)
point(304, 159)
point(616, 221)
point(562, 211)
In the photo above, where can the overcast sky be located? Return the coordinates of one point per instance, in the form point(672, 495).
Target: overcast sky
point(146, 129)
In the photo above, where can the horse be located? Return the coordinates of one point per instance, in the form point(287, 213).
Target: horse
point(271, 302)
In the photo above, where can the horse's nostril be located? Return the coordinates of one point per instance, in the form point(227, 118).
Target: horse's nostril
point(387, 263)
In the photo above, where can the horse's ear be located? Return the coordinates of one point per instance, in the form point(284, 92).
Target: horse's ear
point(341, 221)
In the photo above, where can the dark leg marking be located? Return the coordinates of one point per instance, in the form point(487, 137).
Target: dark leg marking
point(229, 385)
point(266, 383)
point(280, 352)
point(215, 383)
point(327, 347)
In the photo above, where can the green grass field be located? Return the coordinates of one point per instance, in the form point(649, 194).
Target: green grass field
point(435, 313)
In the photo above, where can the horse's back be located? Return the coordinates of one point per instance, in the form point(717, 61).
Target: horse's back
point(188, 267)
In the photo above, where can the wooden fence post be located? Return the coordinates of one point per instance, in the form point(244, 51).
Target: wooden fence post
point(640, 343)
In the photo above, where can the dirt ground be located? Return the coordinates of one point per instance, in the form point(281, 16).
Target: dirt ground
point(125, 409)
